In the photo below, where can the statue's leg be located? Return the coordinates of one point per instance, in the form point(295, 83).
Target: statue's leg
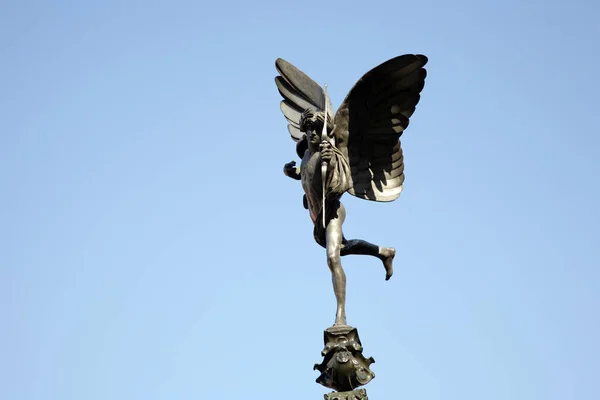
point(385, 254)
point(333, 244)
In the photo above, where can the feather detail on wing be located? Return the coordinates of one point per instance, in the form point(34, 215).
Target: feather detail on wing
point(373, 116)
point(299, 93)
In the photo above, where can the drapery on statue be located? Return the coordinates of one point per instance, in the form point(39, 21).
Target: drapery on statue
point(359, 147)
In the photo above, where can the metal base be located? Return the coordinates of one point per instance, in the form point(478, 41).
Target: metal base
point(358, 394)
point(344, 368)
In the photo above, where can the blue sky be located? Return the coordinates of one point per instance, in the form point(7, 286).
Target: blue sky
point(151, 248)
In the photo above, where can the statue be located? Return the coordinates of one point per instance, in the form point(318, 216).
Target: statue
point(355, 150)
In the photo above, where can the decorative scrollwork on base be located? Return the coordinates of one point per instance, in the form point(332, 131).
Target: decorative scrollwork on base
point(344, 368)
point(358, 394)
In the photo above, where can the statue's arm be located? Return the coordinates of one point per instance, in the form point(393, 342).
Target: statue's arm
point(331, 152)
point(291, 170)
point(338, 172)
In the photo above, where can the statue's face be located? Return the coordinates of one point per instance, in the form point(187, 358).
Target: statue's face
point(313, 132)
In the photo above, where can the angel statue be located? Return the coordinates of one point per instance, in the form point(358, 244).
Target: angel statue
point(356, 150)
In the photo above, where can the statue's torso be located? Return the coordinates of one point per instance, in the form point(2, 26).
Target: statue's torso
point(310, 174)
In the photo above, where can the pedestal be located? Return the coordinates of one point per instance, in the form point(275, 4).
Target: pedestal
point(358, 394)
point(344, 368)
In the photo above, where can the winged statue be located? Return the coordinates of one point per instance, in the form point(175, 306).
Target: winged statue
point(356, 150)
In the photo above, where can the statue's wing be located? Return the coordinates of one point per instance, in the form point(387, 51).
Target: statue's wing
point(373, 116)
point(299, 93)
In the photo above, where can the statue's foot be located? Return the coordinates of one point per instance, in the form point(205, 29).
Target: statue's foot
point(387, 256)
point(340, 320)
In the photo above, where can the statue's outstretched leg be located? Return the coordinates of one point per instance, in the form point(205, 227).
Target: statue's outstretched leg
point(385, 254)
point(333, 245)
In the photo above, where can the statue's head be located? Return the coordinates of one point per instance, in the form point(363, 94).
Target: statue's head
point(311, 123)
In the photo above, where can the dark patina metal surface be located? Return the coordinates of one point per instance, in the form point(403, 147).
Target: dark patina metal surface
point(355, 150)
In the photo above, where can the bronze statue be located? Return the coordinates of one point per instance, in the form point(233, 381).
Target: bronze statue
point(356, 150)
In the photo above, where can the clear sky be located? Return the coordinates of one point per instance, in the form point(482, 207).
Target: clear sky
point(151, 248)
